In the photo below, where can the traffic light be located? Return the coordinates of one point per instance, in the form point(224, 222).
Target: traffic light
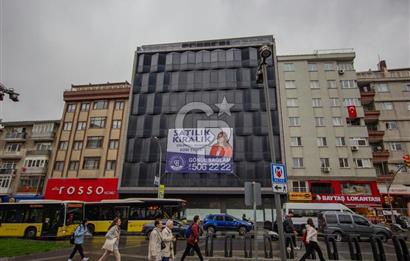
point(406, 159)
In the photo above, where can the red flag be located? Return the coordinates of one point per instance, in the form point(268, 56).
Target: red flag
point(351, 110)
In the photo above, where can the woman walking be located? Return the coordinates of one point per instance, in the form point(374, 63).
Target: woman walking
point(112, 239)
point(311, 241)
point(79, 234)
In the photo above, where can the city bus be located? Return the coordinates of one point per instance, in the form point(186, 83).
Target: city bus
point(134, 213)
point(40, 218)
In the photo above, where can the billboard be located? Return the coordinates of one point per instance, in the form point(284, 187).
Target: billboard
point(200, 150)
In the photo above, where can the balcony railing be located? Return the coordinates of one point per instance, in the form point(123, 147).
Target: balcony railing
point(12, 154)
point(379, 75)
point(367, 97)
point(38, 152)
point(16, 136)
point(380, 156)
point(8, 171)
point(371, 116)
point(42, 135)
point(375, 135)
point(35, 170)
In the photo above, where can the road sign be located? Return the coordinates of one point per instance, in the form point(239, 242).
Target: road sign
point(156, 181)
point(280, 188)
point(252, 192)
point(161, 191)
point(278, 173)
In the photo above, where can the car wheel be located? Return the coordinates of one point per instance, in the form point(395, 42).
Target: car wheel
point(30, 233)
point(383, 237)
point(91, 229)
point(338, 236)
point(242, 230)
point(210, 230)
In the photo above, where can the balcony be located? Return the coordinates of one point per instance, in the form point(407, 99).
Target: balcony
point(49, 136)
point(11, 154)
point(380, 156)
point(375, 136)
point(371, 116)
point(30, 184)
point(16, 136)
point(5, 180)
point(367, 97)
point(38, 152)
point(34, 170)
point(8, 171)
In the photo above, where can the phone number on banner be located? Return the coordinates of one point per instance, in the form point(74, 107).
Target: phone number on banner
point(214, 167)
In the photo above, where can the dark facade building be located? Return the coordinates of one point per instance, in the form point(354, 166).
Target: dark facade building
point(190, 75)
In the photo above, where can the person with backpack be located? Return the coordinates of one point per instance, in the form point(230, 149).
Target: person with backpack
point(78, 239)
point(289, 228)
point(155, 242)
point(310, 241)
point(193, 239)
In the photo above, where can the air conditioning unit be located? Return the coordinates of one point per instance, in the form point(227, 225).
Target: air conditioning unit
point(341, 72)
point(354, 148)
point(326, 169)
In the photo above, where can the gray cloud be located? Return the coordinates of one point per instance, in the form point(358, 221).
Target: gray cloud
point(47, 45)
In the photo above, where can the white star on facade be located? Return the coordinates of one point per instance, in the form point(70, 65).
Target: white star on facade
point(224, 107)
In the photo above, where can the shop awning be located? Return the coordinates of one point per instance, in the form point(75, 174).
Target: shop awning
point(395, 189)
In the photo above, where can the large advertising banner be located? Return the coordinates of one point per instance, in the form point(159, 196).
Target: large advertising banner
point(200, 150)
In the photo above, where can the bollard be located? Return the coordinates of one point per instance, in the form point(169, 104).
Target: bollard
point(331, 247)
point(175, 246)
point(290, 254)
point(248, 246)
point(228, 245)
point(354, 247)
point(377, 248)
point(400, 247)
point(267, 244)
point(209, 245)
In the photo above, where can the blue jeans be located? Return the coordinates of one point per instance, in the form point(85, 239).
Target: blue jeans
point(165, 259)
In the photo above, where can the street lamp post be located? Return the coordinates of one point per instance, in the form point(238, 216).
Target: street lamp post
point(159, 169)
point(264, 53)
point(393, 220)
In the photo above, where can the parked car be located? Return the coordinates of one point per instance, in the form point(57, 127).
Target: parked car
point(342, 224)
point(224, 222)
point(179, 229)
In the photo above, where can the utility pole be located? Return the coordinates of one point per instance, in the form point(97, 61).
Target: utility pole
point(159, 169)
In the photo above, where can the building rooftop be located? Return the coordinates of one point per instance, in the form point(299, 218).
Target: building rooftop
point(27, 123)
point(329, 54)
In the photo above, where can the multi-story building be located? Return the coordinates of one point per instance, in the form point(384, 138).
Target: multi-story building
point(87, 158)
point(206, 84)
point(25, 149)
point(385, 95)
point(327, 150)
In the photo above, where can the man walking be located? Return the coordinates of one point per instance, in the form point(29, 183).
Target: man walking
point(155, 239)
point(168, 238)
point(193, 240)
point(289, 228)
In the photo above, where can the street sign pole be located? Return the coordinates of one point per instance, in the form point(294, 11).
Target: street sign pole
point(255, 245)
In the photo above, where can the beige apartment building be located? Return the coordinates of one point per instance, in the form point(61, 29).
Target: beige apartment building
point(386, 98)
point(89, 141)
point(25, 150)
point(327, 153)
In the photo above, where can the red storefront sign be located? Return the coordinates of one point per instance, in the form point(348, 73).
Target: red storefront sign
point(82, 189)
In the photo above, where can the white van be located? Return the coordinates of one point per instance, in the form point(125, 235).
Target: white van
point(303, 211)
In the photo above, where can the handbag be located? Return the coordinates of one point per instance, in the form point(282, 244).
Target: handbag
point(109, 244)
point(163, 246)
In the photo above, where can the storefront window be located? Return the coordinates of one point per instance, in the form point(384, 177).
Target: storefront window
point(321, 188)
point(356, 189)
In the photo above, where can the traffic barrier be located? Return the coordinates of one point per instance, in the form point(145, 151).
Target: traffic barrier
point(267, 245)
point(228, 245)
point(331, 247)
point(377, 248)
point(402, 252)
point(290, 253)
point(209, 244)
point(248, 245)
point(354, 247)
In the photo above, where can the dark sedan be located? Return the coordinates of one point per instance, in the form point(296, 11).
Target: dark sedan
point(179, 229)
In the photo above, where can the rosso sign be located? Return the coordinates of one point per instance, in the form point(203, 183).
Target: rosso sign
point(89, 190)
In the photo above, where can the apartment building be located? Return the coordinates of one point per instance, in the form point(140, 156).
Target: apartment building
point(327, 150)
point(88, 158)
point(385, 95)
point(25, 150)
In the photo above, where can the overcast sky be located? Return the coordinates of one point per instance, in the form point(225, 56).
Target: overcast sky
point(46, 45)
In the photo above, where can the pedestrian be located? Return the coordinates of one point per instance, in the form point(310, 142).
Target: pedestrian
point(155, 242)
point(310, 240)
point(244, 217)
point(168, 238)
point(79, 234)
point(112, 239)
point(193, 240)
point(289, 228)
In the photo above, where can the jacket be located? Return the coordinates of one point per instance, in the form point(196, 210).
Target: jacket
point(194, 237)
point(311, 234)
point(288, 226)
point(114, 232)
point(79, 234)
point(167, 238)
point(154, 245)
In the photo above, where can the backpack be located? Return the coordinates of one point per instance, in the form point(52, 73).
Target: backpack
point(188, 232)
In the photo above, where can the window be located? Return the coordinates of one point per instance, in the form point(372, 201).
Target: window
point(97, 122)
point(340, 141)
point(358, 141)
point(74, 165)
point(119, 105)
point(63, 145)
point(82, 125)
point(328, 67)
point(331, 219)
point(345, 219)
point(381, 87)
point(35, 163)
point(387, 106)
point(292, 102)
point(91, 163)
point(295, 141)
point(391, 125)
point(299, 186)
point(343, 162)
point(100, 105)
point(395, 146)
point(294, 121)
point(288, 67)
point(13, 147)
point(312, 67)
point(337, 121)
point(78, 145)
point(408, 106)
point(113, 145)
point(334, 102)
point(361, 221)
point(351, 101)
point(85, 106)
point(71, 108)
point(110, 165)
point(317, 102)
point(94, 142)
point(363, 163)
point(319, 121)
point(353, 122)
point(324, 162)
point(290, 84)
point(331, 84)
point(298, 162)
point(314, 84)
point(116, 124)
point(59, 166)
point(356, 188)
point(345, 66)
point(321, 141)
point(321, 188)
point(406, 87)
point(67, 126)
point(348, 84)
point(43, 146)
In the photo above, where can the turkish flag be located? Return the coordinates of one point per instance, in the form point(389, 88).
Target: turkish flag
point(351, 110)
